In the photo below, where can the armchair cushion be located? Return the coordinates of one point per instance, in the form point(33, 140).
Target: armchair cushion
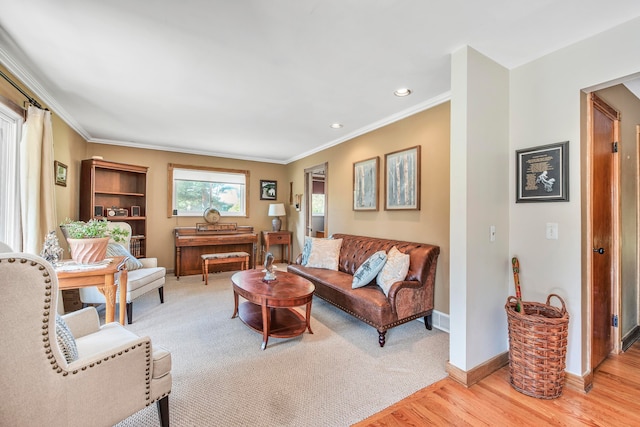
point(140, 278)
point(161, 362)
point(82, 322)
point(115, 249)
point(66, 341)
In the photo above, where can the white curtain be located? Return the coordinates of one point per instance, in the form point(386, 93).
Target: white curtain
point(37, 199)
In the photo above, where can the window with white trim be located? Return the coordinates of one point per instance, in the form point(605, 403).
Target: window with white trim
point(195, 189)
point(10, 127)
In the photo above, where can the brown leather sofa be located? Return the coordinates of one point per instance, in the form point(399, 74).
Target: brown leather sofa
point(408, 299)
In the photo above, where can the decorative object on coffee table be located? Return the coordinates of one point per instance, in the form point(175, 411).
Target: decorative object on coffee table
point(269, 269)
point(276, 210)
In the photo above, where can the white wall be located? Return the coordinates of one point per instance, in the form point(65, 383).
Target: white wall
point(479, 198)
point(545, 108)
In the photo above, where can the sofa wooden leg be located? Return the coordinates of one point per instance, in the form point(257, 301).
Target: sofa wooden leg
point(163, 411)
point(381, 337)
point(428, 322)
point(161, 293)
point(129, 312)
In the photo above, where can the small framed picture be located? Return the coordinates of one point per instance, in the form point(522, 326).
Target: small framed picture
point(268, 190)
point(135, 210)
point(542, 173)
point(60, 171)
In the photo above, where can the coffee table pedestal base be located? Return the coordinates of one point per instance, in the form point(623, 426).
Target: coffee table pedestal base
point(273, 322)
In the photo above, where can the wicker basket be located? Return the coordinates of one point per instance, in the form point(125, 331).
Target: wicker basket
point(537, 347)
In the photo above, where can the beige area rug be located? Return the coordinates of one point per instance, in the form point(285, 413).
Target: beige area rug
point(336, 376)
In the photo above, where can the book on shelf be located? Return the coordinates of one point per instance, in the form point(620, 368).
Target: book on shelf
point(135, 246)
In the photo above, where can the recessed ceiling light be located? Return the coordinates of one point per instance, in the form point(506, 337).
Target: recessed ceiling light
point(336, 125)
point(402, 92)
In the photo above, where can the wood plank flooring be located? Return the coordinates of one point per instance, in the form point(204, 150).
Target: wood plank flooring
point(613, 401)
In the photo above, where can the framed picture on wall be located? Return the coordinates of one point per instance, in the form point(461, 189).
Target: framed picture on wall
point(60, 171)
point(268, 190)
point(365, 185)
point(542, 173)
point(402, 179)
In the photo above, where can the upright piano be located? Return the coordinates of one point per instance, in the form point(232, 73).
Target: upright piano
point(191, 242)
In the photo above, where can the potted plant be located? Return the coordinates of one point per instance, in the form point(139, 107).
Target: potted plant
point(88, 240)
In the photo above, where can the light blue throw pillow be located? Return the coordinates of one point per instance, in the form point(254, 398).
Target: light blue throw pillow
point(115, 249)
point(306, 250)
point(369, 269)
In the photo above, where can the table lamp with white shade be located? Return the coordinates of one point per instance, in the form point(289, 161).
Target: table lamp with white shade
point(276, 210)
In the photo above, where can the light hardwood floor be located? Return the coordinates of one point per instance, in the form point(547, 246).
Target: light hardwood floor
point(613, 401)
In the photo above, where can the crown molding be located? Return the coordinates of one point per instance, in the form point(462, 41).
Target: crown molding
point(31, 83)
point(172, 149)
point(430, 103)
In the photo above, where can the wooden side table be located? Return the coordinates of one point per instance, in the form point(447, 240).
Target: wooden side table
point(277, 238)
point(104, 279)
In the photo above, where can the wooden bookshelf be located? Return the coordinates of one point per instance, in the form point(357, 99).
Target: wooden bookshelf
point(118, 192)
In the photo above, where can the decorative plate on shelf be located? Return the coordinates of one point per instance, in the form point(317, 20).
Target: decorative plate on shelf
point(211, 215)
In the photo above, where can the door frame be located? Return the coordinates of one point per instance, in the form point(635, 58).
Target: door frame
point(592, 99)
point(308, 185)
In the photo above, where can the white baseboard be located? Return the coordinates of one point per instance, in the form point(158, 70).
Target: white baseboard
point(439, 320)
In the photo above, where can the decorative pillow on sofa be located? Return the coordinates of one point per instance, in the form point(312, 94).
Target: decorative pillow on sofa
point(369, 269)
point(394, 270)
point(324, 253)
point(66, 341)
point(306, 250)
point(115, 249)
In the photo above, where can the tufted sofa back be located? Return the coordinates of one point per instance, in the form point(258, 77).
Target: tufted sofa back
point(356, 249)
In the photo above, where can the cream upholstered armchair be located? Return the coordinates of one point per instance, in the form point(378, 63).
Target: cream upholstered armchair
point(67, 370)
point(144, 275)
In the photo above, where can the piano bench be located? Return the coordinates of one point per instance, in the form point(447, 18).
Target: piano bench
point(222, 258)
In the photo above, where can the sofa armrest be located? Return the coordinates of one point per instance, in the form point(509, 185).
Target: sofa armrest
point(398, 286)
point(148, 262)
point(82, 322)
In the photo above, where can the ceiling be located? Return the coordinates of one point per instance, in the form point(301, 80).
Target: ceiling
point(264, 80)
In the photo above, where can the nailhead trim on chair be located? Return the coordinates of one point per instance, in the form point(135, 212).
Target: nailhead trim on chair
point(46, 341)
point(47, 345)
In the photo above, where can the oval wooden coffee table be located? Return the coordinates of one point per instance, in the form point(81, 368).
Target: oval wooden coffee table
point(269, 306)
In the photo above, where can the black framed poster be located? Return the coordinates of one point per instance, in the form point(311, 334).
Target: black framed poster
point(542, 173)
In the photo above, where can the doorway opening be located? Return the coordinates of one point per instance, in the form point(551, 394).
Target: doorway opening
point(316, 200)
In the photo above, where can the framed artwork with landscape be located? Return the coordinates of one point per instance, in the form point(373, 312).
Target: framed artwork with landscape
point(402, 179)
point(268, 190)
point(60, 171)
point(365, 184)
point(542, 173)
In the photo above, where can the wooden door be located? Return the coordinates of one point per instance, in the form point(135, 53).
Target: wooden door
point(604, 197)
